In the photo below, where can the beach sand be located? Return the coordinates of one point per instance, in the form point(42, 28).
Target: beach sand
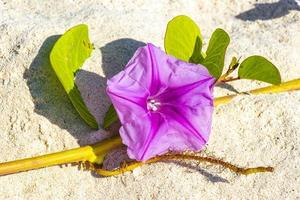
point(37, 117)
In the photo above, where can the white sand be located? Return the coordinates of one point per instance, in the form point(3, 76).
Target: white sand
point(36, 117)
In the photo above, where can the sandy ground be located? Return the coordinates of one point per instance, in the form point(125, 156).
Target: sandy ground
point(37, 118)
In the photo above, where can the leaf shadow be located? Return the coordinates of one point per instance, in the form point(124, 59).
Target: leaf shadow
point(49, 97)
point(268, 11)
point(228, 87)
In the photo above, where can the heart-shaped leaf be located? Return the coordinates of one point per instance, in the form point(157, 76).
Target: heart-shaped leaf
point(215, 53)
point(259, 68)
point(183, 39)
point(66, 57)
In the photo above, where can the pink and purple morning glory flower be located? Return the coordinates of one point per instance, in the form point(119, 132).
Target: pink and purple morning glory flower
point(164, 104)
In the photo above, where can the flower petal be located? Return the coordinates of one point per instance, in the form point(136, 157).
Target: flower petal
point(194, 121)
point(127, 96)
point(144, 68)
point(182, 93)
point(163, 134)
point(138, 135)
point(156, 71)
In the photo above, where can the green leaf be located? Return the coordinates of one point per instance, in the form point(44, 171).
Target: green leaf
point(234, 62)
point(183, 39)
point(259, 68)
point(66, 57)
point(110, 117)
point(215, 53)
point(197, 57)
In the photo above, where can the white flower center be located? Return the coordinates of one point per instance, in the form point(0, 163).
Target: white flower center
point(153, 105)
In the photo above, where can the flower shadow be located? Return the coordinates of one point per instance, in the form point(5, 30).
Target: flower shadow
point(268, 11)
point(116, 54)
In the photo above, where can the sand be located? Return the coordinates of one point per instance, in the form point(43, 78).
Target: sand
point(37, 118)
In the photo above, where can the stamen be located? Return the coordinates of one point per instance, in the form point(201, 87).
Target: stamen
point(153, 105)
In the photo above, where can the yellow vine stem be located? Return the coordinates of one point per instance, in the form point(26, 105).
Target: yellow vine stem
point(96, 153)
point(135, 164)
point(91, 153)
point(283, 87)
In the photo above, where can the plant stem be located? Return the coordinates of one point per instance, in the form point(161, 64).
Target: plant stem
point(232, 67)
point(135, 164)
point(283, 87)
point(220, 81)
point(96, 153)
point(92, 153)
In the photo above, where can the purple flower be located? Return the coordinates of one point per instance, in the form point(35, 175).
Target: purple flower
point(163, 104)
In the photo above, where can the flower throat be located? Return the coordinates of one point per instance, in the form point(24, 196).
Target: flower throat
point(153, 105)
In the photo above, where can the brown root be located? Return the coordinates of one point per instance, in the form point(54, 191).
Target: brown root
point(131, 166)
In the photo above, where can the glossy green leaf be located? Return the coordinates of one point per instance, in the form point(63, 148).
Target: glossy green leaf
point(215, 53)
point(259, 68)
point(183, 39)
point(66, 57)
point(110, 117)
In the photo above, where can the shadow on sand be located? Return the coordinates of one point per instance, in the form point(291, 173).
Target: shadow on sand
point(268, 11)
point(49, 98)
